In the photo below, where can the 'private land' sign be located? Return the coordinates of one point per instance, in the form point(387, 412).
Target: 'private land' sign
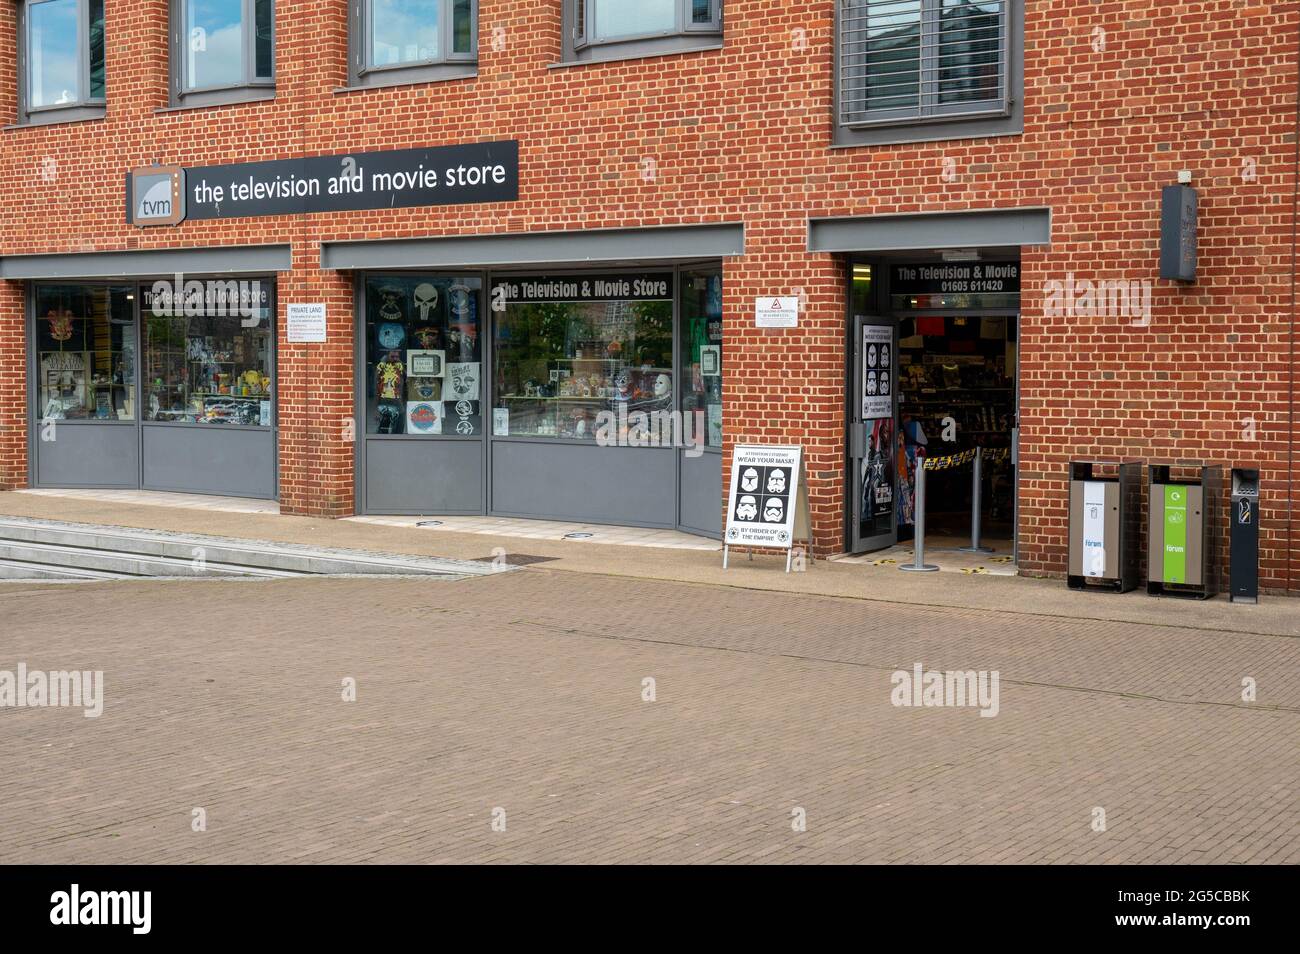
point(442, 175)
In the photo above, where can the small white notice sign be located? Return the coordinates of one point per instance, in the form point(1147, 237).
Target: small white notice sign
point(776, 312)
point(305, 323)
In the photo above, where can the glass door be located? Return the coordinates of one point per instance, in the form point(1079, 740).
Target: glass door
point(873, 434)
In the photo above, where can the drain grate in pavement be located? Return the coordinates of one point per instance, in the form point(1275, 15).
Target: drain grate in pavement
point(515, 559)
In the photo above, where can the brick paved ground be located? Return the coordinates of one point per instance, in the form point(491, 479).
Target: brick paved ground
point(523, 691)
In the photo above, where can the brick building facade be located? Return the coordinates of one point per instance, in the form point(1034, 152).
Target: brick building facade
point(746, 128)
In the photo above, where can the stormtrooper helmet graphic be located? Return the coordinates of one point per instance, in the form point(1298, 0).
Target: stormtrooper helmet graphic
point(871, 382)
point(749, 480)
point(426, 299)
point(747, 509)
point(884, 382)
point(774, 510)
point(776, 482)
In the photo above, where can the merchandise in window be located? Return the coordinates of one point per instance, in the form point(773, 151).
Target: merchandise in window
point(570, 347)
point(85, 353)
point(423, 356)
point(701, 336)
point(62, 43)
point(907, 59)
point(226, 44)
point(208, 365)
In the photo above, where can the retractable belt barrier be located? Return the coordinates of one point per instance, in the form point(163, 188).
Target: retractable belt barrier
point(976, 456)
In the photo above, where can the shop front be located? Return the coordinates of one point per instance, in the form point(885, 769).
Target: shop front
point(933, 370)
point(590, 395)
point(159, 383)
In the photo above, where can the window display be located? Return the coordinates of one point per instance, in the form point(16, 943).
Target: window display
point(85, 360)
point(570, 347)
point(211, 367)
point(423, 355)
point(701, 321)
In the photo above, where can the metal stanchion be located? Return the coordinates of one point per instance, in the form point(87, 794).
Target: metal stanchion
point(977, 505)
point(918, 545)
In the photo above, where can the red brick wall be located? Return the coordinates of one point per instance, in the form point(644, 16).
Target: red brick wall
point(743, 134)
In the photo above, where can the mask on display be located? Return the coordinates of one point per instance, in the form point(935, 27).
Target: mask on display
point(776, 482)
point(426, 299)
point(774, 510)
point(747, 509)
point(663, 384)
point(749, 480)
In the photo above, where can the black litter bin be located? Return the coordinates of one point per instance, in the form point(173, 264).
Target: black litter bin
point(1243, 587)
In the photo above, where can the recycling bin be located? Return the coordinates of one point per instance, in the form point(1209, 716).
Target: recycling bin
point(1105, 525)
point(1243, 584)
point(1182, 530)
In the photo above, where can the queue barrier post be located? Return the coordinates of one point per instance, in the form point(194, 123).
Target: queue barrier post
point(977, 505)
point(919, 565)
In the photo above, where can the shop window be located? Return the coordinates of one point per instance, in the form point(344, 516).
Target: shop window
point(61, 60)
point(412, 41)
point(578, 355)
point(85, 353)
point(619, 29)
point(424, 356)
point(701, 337)
point(911, 70)
point(223, 51)
point(207, 355)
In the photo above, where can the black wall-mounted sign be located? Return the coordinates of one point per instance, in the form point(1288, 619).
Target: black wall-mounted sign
point(1178, 215)
point(628, 286)
point(441, 175)
point(956, 278)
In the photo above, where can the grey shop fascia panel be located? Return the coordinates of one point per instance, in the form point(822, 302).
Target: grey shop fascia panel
point(145, 263)
point(931, 230)
point(540, 248)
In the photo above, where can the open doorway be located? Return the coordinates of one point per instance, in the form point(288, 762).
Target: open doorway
point(934, 374)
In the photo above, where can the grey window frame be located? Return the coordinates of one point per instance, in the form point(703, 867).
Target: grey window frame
point(83, 108)
point(451, 65)
point(1004, 117)
point(579, 47)
point(251, 89)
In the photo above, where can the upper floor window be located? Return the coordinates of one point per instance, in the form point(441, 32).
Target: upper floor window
point(920, 62)
point(222, 51)
point(618, 29)
point(411, 41)
point(61, 60)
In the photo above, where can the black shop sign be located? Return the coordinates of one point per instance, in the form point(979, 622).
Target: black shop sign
point(964, 278)
point(441, 175)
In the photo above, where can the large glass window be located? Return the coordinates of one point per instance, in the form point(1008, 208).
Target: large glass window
point(208, 354)
point(225, 44)
point(62, 43)
point(701, 343)
point(424, 356)
point(85, 353)
point(910, 59)
point(400, 40)
point(606, 21)
point(569, 347)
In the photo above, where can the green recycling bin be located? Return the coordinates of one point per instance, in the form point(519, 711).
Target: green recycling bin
point(1182, 530)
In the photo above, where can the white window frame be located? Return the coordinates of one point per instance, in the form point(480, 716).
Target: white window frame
point(84, 106)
